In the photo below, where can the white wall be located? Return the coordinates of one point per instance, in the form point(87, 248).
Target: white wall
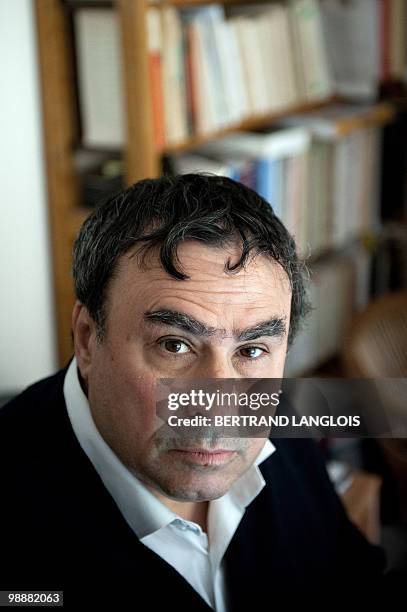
point(27, 329)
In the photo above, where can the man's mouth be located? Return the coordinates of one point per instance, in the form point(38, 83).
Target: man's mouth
point(203, 456)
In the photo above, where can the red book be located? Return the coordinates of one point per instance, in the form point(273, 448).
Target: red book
point(189, 79)
point(156, 82)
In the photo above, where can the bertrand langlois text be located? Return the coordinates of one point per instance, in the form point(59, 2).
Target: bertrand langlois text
point(245, 420)
point(218, 401)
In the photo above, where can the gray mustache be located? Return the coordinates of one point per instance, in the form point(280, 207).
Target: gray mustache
point(208, 438)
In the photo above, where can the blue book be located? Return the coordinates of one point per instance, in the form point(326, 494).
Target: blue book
point(270, 182)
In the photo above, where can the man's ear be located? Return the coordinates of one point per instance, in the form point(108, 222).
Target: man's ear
point(84, 337)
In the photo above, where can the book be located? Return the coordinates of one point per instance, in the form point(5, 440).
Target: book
point(232, 75)
point(397, 39)
point(154, 38)
point(212, 19)
point(251, 60)
point(193, 163)
point(267, 53)
point(259, 161)
point(271, 66)
point(100, 77)
point(354, 49)
point(285, 51)
point(202, 111)
point(210, 65)
point(367, 44)
point(385, 71)
point(310, 49)
point(272, 143)
point(238, 169)
point(173, 71)
point(322, 180)
point(277, 57)
point(209, 68)
point(319, 205)
point(332, 293)
point(351, 165)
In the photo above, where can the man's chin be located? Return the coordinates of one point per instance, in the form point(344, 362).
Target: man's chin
point(194, 496)
point(198, 490)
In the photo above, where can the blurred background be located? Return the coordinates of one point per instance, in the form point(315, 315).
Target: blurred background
point(302, 100)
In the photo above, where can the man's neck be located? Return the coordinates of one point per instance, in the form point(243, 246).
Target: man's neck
point(82, 382)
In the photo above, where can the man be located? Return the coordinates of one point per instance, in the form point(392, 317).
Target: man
point(182, 277)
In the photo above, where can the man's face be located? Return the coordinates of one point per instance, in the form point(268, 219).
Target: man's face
point(146, 339)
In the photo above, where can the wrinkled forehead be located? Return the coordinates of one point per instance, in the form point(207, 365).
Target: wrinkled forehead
point(261, 285)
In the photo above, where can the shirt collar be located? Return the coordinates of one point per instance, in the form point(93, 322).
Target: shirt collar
point(142, 510)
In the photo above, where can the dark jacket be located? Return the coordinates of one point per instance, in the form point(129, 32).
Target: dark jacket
point(60, 528)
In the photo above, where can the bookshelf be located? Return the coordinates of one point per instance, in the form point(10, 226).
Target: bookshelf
point(141, 157)
point(248, 124)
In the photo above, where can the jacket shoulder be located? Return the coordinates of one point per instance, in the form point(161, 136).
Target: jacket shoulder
point(24, 413)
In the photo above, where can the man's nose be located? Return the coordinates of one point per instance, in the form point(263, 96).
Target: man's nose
point(216, 367)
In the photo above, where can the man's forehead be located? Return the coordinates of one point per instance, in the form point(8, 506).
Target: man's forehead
point(155, 289)
point(206, 264)
point(224, 300)
point(211, 294)
point(216, 298)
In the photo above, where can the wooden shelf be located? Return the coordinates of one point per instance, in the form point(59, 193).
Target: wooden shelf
point(186, 3)
point(94, 4)
point(378, 114)
point(248, 124)
point(74, 4)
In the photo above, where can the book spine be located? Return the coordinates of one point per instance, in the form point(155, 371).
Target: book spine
point(156, 77)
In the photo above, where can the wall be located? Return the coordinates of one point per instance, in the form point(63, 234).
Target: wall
point(27, 330)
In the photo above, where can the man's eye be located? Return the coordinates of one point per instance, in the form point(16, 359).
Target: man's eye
point(251, 352)
point(175, 346)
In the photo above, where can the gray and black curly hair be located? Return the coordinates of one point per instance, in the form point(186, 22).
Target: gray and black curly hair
point(161, 213)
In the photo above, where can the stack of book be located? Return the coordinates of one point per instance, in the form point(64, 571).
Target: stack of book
point(339, 287)
point(214, 66)
point(218, 69)
point(210, 67)
point(319, 171)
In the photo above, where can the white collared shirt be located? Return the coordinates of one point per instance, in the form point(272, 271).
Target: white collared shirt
point(197, 556)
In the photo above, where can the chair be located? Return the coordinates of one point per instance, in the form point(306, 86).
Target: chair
point(375, 346)
point(376, 343)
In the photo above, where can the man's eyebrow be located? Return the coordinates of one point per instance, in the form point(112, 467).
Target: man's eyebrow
point(274, 327)
point(181, 320)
